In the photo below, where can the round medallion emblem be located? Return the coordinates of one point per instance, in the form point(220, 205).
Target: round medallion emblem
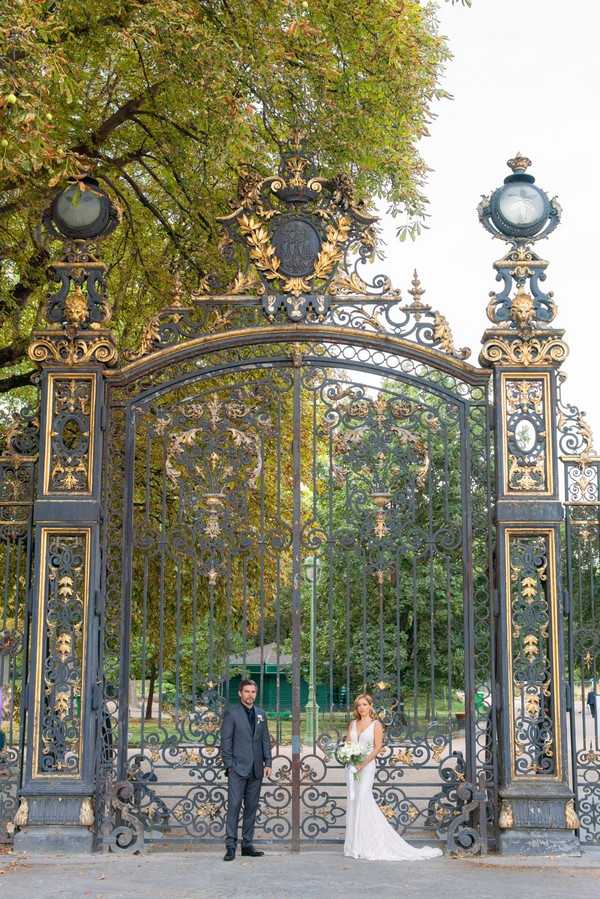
point(297, 244)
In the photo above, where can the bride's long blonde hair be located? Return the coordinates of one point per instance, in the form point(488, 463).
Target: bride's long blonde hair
point(369, 699)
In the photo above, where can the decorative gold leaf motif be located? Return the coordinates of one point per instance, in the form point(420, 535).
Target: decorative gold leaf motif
point(207, 810)
point(22, 816)
point(442, 335)
point(150, 339)
point(505, 820)
point(76, 349)
point(530, 646)
point(262, 251)
point(331, 252)
point(296, 286)
point(65, 588)
point(86, 813)
point(349, 283)
point(403, 757)
point(388, 811)
point(529, 588)
point(501, 350)
point(64, 643)
point(532, 704)
point(61, 704)
point(243, 282)
point(571, 818)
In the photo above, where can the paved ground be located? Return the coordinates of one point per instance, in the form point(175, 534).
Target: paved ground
point(282, 876)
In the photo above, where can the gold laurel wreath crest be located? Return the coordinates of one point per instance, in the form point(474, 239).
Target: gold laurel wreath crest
point(262, 251)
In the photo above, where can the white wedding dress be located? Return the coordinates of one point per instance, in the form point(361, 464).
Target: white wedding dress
point(368, 833)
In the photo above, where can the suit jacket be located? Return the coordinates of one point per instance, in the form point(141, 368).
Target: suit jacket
point(244, 753)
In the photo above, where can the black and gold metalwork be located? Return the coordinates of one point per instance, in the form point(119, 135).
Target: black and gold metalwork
point(581, 465)
point(533, 650)
point(18, 469)
point(63, 604)
point(297, 476)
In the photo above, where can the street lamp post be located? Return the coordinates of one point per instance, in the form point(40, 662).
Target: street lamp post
point(312, 565)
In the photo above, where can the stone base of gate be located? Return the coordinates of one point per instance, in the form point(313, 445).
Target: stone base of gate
point(541, 821)
point(47, 839)
point(48, 824)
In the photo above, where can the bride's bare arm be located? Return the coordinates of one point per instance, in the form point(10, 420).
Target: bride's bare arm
point(377, 744)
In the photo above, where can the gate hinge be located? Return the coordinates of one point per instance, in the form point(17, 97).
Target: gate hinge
point(566, 603)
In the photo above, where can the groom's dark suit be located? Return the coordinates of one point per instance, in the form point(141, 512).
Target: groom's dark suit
point(246, 752)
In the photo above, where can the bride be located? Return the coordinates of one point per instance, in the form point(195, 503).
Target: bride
point(368, 833)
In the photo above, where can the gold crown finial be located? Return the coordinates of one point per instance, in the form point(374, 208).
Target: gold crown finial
point(416, 290)
point(519, 163)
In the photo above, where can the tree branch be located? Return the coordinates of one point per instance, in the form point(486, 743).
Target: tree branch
point(13, 353)
point(122, 114)
point(22, 380)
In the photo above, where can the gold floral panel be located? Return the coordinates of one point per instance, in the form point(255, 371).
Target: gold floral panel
point(61, 652)
point(69, 446)
point(531, 612)
point(527, 438)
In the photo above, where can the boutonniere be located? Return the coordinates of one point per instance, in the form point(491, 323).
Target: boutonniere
point(260, 719)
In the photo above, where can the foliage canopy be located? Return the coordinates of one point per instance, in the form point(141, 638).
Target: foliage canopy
point(165, 101)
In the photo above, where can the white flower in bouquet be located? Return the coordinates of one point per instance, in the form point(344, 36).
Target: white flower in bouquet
point(350, 754)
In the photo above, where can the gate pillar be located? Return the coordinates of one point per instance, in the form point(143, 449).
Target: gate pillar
point(536, 811)
point(56, 805)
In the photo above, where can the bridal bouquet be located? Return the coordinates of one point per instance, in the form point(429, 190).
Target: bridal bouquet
point(351, 755)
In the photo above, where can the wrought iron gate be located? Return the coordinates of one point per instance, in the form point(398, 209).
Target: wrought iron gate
point(314, 514)
point(291, 478)
point(17, 479)
point(582, 608)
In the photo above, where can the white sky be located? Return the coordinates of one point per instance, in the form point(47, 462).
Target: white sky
point(525, 76)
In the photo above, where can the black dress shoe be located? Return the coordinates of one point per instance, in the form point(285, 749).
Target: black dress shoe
point(230, 855)
point(251, 851)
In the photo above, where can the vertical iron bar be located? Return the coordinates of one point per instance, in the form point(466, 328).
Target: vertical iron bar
point(261, 576)
point(431, 577)
point(126, 586)
point(146, 581)
point(330, 581)
point(279, 722)
point(194, 630)
point(296, 608)
point(469, 625)
point(26, 647)
point(178, 561)
point(571, 653)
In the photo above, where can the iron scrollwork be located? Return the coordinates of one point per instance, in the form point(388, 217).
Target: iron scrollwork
point(69, 460)
point(62, 617)
point(532, 709)
point(527, 457)
point(18, 465)
point(78, 313)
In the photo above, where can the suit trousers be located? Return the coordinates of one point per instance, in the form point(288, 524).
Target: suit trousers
point(246, 790)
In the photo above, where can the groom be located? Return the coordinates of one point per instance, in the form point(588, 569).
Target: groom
point(246, 753)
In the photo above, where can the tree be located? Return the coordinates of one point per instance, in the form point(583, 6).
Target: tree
point(165, 101)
